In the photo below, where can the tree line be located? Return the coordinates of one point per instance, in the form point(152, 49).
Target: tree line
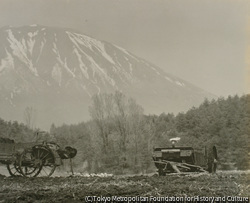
point(120, 138)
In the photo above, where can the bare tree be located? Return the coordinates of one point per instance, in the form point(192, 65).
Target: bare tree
point(100, 111)
point(120, 118)
point(136, 129)
point(30, 117)
point(122, 127)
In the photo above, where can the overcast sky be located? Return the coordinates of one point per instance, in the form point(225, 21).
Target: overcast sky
point(201, 41)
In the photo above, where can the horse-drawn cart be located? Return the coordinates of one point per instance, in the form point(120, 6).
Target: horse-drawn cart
point(32, 159)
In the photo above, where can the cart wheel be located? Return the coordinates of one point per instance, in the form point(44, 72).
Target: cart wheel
point(46, 157)
point(29, 166)
point(43, 159)
point(39, 161)
point(13, 169)
point(211, 153)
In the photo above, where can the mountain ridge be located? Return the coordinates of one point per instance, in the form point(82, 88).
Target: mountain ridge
point(57, 70)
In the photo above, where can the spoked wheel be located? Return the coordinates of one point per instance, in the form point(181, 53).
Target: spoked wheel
point(46, 157)
point(13, 169)
point(39, 161)
point(29, 166)
point(47, 170)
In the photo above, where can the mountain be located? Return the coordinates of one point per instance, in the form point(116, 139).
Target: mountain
point(56, 71)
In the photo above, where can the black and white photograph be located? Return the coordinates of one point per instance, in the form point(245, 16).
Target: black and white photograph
point(124, 101)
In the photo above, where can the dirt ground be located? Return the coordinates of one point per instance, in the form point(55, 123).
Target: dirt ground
point(77, 188)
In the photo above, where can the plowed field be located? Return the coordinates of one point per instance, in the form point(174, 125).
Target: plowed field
point(81, 189)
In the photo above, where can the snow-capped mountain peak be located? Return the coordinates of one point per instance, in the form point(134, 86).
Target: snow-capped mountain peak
point(51, 68)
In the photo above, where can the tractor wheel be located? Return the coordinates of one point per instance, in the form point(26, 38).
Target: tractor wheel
point(211, 156)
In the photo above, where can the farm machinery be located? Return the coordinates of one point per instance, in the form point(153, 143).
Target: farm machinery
point(184, 159)
point(33, 159)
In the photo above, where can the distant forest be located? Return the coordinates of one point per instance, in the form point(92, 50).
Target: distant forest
point(119, 138)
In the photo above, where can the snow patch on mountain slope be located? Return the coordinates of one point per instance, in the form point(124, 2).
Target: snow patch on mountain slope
point(122, 72)
point(101, 72)
point(17, 47)
point(3, 64)
point(95, 67)
point(169, 79)
point(117, 62)
point(6, 62)
point(65, 65)
point(90, 43)
point(86, 90)
point(60, 60)
point(41, 49)
point(82, 66)
point(55, 36)
point(57, 74)
point(180, 83)
point(157, 72)
point(100, 47)
point(32, 34)
point(176, 81)
point(79, 40)
point(20, 50)
point(31, 41)
point(126, 52)
point(130, 68)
